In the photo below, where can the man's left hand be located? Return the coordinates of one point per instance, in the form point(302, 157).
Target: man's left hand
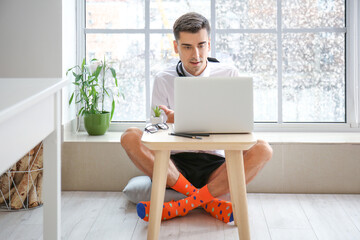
point(169, 113)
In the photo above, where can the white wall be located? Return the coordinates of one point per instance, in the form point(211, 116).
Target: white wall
point(31, 40)
point(294, 168)
point(68, 54)
point(38, 39)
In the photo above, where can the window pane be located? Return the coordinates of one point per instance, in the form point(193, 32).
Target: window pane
point(164, 13)
point(313, 13)
point(162, 54)
point(128, 51)
point(245, 14)
point(115, 14)
point(254, 54)
point(314, 77)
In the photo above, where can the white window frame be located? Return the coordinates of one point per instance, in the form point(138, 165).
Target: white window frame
point(352, 65)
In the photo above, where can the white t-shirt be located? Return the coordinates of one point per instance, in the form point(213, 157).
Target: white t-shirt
point(163, 89)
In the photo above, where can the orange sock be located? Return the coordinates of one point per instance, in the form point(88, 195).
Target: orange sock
point(183, 186)
point(177, 208)
point(219, 209)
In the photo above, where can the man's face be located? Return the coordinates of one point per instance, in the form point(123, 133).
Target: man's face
point(193, 50)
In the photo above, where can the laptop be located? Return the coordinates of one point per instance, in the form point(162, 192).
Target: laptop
point(213, 105)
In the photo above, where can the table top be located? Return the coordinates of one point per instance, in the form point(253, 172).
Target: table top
point(163, 141)
point(17, 94)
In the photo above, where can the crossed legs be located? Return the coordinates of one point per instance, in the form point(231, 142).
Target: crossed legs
point(143, 158)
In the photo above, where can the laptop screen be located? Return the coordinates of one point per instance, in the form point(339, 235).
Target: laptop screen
point(213, 105)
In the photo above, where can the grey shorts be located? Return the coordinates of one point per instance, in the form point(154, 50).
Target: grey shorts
point(197, 167)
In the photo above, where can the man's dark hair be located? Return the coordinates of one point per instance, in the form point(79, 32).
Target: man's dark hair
point(190, 22)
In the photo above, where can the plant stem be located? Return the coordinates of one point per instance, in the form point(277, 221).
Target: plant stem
point(83, 79)
point(103, 88)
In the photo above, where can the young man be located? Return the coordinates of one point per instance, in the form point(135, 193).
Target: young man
point(199, 175)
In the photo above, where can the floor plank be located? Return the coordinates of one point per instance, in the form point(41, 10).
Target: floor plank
point(351, 205)
point(258, 224)
point(292, 234)
point(9, 222)
point(328, 219)
point(117, 220)
point(284, 211)
point(285, 216)
point(109, 215)
point(81, 213)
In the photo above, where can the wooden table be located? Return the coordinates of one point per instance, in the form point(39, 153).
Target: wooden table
point(30, 111)
point(233, 144)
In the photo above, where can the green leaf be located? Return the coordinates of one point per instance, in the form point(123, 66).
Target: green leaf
point(93, 91)
point(123, 96)
point(81, 112)
point(77, 97)
point(71, 98)
point(157, 111)
point(78, 77)
point(106, 92)
point(91, 80)
point(82, 65)
point(113, 72)
point(69, 70)
point(97, 71)
point(84, 95)
point(112, 109)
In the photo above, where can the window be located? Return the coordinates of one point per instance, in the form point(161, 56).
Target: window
point(295, 51)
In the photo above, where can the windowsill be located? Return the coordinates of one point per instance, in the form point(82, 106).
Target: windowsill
point(84, 137)
point(310, 137)
point(271, 137)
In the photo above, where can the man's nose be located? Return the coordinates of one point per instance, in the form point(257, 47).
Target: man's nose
point(196, 53)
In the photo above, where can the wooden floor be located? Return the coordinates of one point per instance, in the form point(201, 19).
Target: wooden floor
point(109, 215)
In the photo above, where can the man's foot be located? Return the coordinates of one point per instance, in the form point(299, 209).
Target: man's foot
point(177, 208)
point(220, 209)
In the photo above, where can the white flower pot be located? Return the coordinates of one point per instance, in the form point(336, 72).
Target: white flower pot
point(156, 120)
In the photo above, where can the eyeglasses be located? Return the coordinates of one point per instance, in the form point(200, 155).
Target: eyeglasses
point(156, 127)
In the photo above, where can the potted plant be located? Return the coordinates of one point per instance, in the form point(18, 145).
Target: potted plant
point(93, 83)
point(156, 117)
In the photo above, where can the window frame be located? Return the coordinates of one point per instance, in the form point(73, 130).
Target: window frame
point(352, 53)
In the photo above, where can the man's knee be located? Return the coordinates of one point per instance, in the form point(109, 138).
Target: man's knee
point(264, 149)
point(130, 137)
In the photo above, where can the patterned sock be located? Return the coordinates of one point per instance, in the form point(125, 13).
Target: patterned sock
point(177, 208)
point(183, 186)
point(219, 209)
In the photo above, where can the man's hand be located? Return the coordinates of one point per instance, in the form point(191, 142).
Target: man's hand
point(169, 113)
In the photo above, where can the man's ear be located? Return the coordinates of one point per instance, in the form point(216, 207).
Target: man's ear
point(209, 45)
point(175, 46)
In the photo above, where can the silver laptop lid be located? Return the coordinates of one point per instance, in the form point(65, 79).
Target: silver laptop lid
point(213, 104)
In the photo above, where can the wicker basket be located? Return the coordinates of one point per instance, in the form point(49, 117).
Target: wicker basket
point(21, 185)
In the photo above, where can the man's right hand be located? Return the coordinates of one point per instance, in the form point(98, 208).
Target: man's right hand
point(169, 113)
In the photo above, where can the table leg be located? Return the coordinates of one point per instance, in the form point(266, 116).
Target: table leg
point(236, 176)
point(52, 181)
point(161, 166)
